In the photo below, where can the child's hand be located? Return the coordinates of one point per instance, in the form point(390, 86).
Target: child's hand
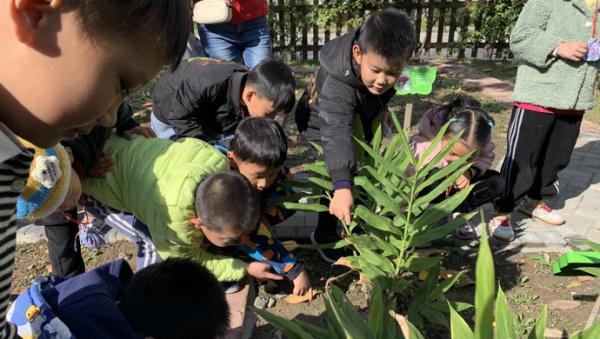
point(301, 283)
point(462, 182)
point(102, 167)
point(139, 130)
point(262, 271)
point(573, 50)
point(341, 204)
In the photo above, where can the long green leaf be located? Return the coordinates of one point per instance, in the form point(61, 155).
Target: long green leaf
point(432, 146)
point(504, 317)
point(377, 195)
point(389, 324)
point(317, 167)
point(371, 271)
point(352, 324)
point(593, 245)
point(377, 311)
point(423, 291)
point(453, 167)
point(425, 236)
point(380, 261)
point(385, 247)
point(305, 207)
point(438, 190)
point(389, 186)
point(442, 306)
point(433, 163)
point(434, 213)
point(379, 159)
point(313, 330)
point(445, 285)
point(288, 327)
point(591, 333)
point(317, 147)
point(326, 184)
point(458, 326)
point(417, 264)
point(377, 136)
point(434, 316)
point(404, 140)
point(376, 221)
point(484, 290)
point(540, 325)
point(595, 271)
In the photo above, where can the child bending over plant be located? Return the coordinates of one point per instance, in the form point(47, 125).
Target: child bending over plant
point(475, 127)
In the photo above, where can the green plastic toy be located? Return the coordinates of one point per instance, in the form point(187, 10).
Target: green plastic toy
point(571, 263)
point(416, 80)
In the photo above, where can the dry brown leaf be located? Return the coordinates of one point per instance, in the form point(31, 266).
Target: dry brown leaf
point(573, 284)
point(465, 281)
point(297, 299)
point(362, 278)
point(290, 245)
point(563, 305)
point(584, 278)
point(343, 262)
point(403, 322)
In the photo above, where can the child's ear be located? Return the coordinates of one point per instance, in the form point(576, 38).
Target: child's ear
point(27, 15)
point(197, 223)
point(357, 53)
point(248, 94)
point(231, 157)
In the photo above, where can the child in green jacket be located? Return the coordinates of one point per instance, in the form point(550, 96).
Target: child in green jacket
point(189, 210)
point(555, 41)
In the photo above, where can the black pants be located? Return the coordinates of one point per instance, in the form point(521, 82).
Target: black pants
point(63, 244)
point(539, 146)
point(488, 187)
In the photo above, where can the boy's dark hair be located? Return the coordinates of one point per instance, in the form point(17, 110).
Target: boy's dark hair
point(466, 116)
point(227, 200)
point(388, 33)
point(165, 23)
point(274, 80)
point(260, 141)
point(175, 299)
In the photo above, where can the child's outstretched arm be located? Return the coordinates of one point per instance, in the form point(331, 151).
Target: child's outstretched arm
point(530, 41)
point(336, 112)
point(262, 247)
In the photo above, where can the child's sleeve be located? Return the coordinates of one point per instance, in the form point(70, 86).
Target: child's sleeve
point(529, 39)
point(223, 267)
point(125, 119)
point(190, 105)
point(337, 105)
point(261, 246)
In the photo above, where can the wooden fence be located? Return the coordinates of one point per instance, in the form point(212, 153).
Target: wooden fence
point(298, 33)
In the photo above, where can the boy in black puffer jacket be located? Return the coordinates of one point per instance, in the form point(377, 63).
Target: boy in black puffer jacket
point(353, 84)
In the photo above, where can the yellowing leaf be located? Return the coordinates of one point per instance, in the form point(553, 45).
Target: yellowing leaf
point(297, 299)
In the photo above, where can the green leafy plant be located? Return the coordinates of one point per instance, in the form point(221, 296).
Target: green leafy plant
point(344, 321)
point(494, 318)
point(397, 211)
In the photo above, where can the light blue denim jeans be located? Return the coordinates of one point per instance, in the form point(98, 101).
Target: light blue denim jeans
point(249, 41)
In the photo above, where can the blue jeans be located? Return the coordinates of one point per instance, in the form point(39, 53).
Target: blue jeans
point(249, 41)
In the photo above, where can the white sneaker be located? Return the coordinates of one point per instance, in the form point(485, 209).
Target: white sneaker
point(539, 210)
point(501, 228)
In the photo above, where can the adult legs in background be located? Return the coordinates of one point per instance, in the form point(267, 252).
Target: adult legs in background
point(221, 41)
point(255, 41)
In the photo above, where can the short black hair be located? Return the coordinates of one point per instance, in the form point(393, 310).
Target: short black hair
point(227, 200)
point(165, 23)
point(175, 299)
point(260, 141)
point(467, 117)
point(275, 81)
point(388, 33)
